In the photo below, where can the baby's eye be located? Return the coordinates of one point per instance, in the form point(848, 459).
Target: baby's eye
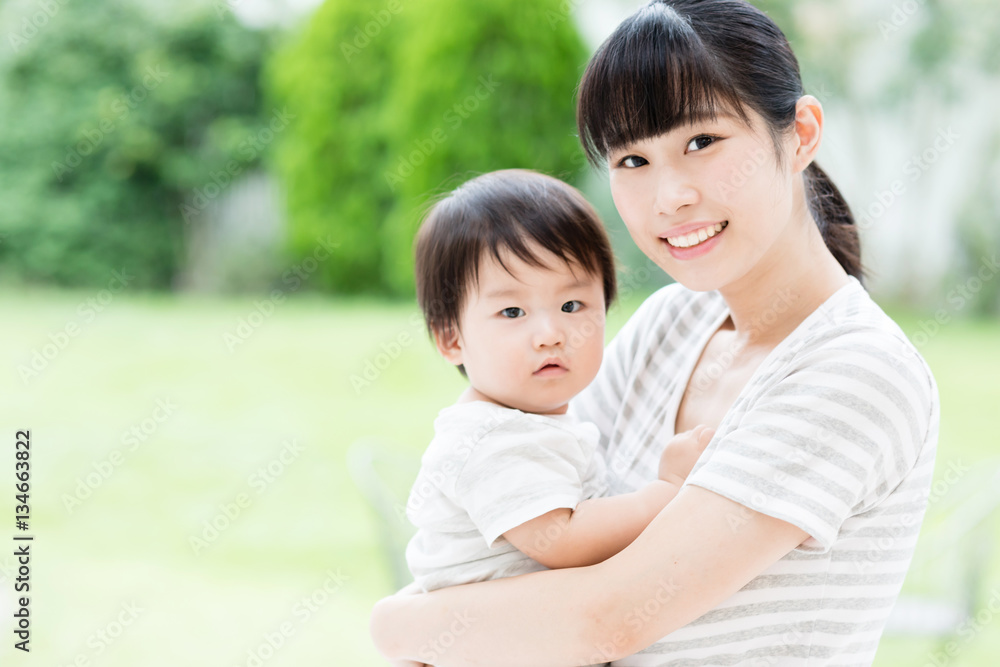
point(512, 312)
point(632, 161)
point(572, 306)
point(701, 141)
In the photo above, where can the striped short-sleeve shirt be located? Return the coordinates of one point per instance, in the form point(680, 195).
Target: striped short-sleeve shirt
point(835, 433)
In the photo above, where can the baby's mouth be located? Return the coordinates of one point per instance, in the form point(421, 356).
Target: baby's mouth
point(551, 366)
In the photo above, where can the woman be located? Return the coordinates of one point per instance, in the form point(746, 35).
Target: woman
point(789, 542)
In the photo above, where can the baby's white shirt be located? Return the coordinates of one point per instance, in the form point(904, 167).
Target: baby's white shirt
point(490, 469)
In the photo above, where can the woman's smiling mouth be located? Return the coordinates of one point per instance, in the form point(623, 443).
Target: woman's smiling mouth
point(695, 238)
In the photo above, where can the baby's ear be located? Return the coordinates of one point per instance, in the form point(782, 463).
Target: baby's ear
point(449, 344)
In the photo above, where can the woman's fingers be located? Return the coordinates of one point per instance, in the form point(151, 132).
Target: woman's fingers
point(701, 434)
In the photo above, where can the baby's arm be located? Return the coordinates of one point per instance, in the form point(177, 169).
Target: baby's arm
point(601, 527)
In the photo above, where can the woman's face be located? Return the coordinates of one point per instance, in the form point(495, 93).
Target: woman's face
point(707, 202)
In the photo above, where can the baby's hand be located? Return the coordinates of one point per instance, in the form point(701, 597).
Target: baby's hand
point(681, 453)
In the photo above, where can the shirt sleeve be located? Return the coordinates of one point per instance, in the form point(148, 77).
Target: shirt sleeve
point(830, 439)
point(519, 471)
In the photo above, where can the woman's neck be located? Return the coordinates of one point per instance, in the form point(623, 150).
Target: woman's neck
point(790, 282)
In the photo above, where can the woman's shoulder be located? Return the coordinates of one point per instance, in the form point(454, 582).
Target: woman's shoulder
point(850, 333)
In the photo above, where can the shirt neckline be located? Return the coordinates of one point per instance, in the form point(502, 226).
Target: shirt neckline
point(688, 370)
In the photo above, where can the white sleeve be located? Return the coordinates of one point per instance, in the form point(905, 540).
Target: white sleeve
point(829, 440)
point(519, 471)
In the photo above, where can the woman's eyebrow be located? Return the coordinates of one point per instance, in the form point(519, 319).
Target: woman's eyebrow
point(706, 115)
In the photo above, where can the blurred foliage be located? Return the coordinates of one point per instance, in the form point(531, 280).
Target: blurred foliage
point(115, 117)
point(913, 63)
point(943, 42)
point(396, 102)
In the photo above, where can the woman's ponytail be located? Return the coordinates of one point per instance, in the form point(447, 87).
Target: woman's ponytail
point(835, 221)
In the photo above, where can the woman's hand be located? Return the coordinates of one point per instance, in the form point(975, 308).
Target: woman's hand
point(682, 452)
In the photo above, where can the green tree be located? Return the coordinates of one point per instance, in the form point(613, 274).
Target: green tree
point(115, 119)
point(399, 102)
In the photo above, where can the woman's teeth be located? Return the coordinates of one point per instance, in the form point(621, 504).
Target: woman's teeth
point(694, 238)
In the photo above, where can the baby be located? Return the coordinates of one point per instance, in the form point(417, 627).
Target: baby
point(514, 276)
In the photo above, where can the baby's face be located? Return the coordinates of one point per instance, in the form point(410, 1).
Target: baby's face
point(534, 339)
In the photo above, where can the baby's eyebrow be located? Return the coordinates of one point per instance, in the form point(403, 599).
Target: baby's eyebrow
point(512, 291)
point(496, 294)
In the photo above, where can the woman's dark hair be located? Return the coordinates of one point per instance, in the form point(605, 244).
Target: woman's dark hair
point(503, 211)
point(680, 61)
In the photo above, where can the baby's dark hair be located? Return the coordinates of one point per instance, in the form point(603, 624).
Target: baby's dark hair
point(500, 211)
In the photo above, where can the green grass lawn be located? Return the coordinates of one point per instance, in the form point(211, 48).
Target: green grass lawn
point(147, 429)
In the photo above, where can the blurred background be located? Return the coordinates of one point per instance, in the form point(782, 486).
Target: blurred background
point(206, 290)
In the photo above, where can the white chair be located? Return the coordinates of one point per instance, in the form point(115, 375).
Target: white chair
point(384, 472)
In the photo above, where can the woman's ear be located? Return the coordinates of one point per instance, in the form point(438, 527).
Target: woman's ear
point(808, 131)
point(449, 344)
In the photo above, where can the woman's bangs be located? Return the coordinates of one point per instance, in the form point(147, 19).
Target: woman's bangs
point(652, 75)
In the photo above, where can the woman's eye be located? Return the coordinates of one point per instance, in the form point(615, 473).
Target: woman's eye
point(632, 161)
point(701, 141)
point(572, 306)
point(512, 312)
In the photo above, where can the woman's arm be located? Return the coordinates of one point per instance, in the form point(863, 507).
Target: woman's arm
point(697, 552)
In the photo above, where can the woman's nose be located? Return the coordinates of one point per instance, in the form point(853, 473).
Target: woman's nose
point(673, 192)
